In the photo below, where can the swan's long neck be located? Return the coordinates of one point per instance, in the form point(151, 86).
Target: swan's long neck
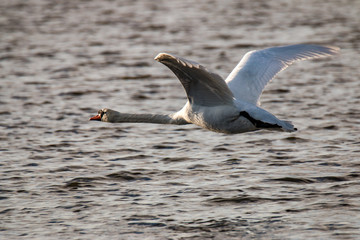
point(118, 117)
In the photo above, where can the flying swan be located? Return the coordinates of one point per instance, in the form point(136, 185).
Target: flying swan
point(230, 106)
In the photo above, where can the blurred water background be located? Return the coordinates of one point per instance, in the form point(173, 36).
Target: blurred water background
point(63, 177)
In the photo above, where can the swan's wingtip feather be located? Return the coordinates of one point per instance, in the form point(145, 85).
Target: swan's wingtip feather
point(333, 49)
point(166, 57)
point(330, 50)
point(162, 56)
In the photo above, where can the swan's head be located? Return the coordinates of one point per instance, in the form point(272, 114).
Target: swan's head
point(104, 115)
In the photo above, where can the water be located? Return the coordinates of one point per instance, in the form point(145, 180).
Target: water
point(63, 177)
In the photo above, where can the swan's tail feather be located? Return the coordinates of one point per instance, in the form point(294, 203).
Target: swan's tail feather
point(287, 126)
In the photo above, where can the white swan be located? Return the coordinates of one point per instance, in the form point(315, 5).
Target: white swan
point(230, 106)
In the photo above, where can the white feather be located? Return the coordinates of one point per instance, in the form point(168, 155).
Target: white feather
point(257, 68)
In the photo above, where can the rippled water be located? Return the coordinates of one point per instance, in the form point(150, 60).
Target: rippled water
point(63, 177)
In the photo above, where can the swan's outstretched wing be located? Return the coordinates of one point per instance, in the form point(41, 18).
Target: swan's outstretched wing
point(202, 87)
point(257, 68)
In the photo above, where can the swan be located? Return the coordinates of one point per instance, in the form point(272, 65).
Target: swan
point(231, 105)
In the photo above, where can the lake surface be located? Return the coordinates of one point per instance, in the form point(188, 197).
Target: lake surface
point(64, 177)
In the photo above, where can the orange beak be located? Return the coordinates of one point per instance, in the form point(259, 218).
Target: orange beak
point(96, 118)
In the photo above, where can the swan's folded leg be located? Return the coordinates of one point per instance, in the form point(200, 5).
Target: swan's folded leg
point(262, 119)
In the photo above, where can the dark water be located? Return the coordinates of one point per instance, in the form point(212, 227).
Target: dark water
point(63, 177)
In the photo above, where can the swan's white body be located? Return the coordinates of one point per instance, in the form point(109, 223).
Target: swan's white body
point(230, 106)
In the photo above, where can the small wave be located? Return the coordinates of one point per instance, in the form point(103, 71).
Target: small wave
point(128, 176)
point(248, 199)
point(291, 180)
point(331, 179)
point(295, 140)
point(81, 182)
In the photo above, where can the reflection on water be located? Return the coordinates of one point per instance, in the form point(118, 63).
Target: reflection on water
point(65, 177)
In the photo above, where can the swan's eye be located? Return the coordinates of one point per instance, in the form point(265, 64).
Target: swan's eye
point(101, 113)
